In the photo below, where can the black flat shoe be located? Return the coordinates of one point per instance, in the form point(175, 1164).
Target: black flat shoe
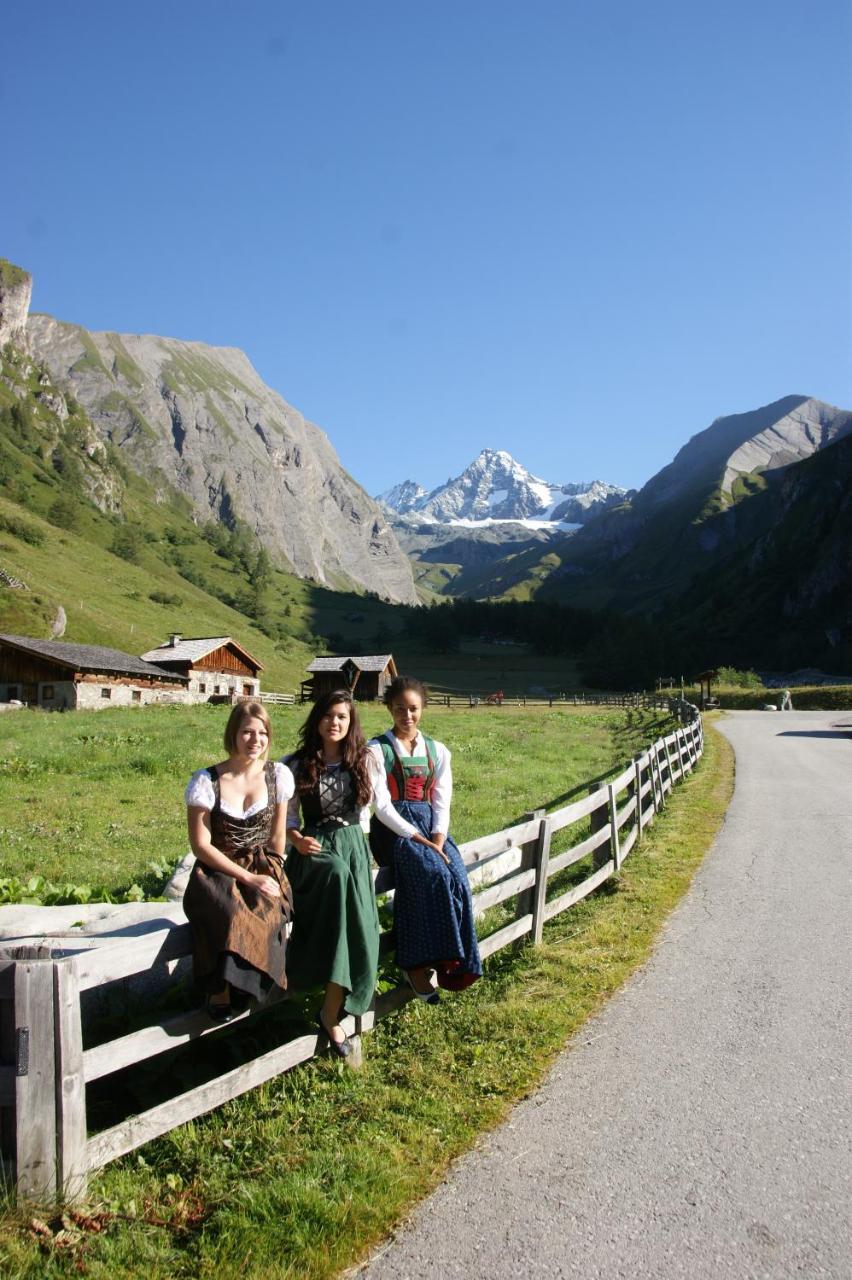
point(218, 1012)
point(341, 1048)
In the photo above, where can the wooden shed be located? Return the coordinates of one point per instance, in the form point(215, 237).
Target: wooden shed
point(214, 666)
point(62, 676)
point(366, 676)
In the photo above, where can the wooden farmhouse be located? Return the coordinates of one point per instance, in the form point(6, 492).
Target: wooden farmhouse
point(366, 677)
point(214, 666)
point(61, 676)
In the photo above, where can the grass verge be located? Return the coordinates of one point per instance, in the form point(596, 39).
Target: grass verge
point(303, 1176)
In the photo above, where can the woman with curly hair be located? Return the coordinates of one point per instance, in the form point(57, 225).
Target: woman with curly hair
point(433, 909)
point(335, 938)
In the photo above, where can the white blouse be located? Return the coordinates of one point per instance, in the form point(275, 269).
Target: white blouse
point(199, 792)
point(442, 795)
point(381, 804)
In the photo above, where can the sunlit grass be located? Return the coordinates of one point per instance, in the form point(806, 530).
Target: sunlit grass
point(302, 1176)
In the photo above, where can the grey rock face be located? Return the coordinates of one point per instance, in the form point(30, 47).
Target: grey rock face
point(764, 439)
point(203, 418)
point(16, 290)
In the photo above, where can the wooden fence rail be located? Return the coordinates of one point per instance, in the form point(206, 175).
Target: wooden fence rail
point(44, 1066)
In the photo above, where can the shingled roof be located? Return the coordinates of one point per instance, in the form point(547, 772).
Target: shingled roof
point(194, 648)
point(365, 662)
point(88, 657)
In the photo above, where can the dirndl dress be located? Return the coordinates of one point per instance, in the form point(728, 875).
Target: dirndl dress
point(432, 906)
point(335, 922)
point(239, 934)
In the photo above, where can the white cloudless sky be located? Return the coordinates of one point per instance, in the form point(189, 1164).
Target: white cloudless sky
point(578, 231)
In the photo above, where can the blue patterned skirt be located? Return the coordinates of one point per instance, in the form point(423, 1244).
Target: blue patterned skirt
point(433, 909)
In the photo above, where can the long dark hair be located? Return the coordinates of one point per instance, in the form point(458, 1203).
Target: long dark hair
point(308, 757)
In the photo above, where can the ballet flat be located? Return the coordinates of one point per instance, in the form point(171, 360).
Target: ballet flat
point(340, 1049)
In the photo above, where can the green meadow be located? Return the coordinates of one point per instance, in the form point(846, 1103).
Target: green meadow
point(96, 798)
point(301, 1177)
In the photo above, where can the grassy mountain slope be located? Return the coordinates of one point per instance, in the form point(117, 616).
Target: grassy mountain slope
point(126, 561)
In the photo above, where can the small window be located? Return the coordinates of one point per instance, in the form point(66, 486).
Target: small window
point(106, 692)
point(48, 691)
point(217, 689)
point(136, 695)
point(202, 688)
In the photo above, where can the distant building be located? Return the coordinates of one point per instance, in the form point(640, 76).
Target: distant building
point(61, 676)
point(366, 676)
point(213, 666)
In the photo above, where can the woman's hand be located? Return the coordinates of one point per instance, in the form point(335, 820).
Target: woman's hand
point(305, 845)
point(431, 844)
point(267, 885)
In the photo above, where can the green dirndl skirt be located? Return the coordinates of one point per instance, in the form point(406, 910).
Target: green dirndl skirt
point(335, 934)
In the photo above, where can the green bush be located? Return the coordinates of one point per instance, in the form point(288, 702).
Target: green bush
point(21, 529)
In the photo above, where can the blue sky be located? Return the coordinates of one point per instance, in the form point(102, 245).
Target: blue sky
point(576, 231)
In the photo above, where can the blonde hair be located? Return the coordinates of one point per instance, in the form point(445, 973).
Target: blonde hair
point(244, 711)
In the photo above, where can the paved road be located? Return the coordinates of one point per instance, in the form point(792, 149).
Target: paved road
point(699, 1127)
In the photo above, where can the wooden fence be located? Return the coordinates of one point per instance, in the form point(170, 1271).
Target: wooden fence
point(45, 1068)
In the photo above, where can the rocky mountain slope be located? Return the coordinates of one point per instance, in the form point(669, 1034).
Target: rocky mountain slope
point(742, 545)
point(497, 487)
point(203, 420)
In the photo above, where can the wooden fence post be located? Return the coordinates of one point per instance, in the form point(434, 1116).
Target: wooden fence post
point(35, 1081)
point(638, 793)
point(529, 853)
point(614, 841)
point(542, 860)
point(598, 818)
point(72, 1165)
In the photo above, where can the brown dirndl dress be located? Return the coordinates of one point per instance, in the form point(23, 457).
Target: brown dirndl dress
point(239, 934)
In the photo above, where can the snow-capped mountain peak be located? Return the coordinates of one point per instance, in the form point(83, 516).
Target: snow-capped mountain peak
point(495, 486)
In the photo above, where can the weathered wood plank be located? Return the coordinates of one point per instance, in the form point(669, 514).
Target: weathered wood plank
point(131, 1133)
point(35, 1091)
point(484, 847)
point(578, 851)
point(123, 958)
point(171, 1032)
point(505, 889)
point(628, 842)
point(503, 937)
point(71, 1134)
point(578, 809)
point(629, 809)
point(580, 891)
point(624, 779)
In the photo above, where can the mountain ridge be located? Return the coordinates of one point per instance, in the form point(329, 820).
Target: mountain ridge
point(203, 418)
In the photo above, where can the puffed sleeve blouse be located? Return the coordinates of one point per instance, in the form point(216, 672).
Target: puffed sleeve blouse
point(442, 794)
point(199, 792)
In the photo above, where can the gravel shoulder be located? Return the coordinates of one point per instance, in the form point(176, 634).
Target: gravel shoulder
point(699, 1126)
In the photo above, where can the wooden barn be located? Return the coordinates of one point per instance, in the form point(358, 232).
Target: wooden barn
point(63, 677)
point(366, 676)
point(214, 666)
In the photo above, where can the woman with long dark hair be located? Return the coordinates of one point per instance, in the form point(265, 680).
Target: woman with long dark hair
point(433, 908)
point(335, 939)
point(238, 898)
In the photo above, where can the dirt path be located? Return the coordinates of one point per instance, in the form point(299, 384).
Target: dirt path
point(699, 1127)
